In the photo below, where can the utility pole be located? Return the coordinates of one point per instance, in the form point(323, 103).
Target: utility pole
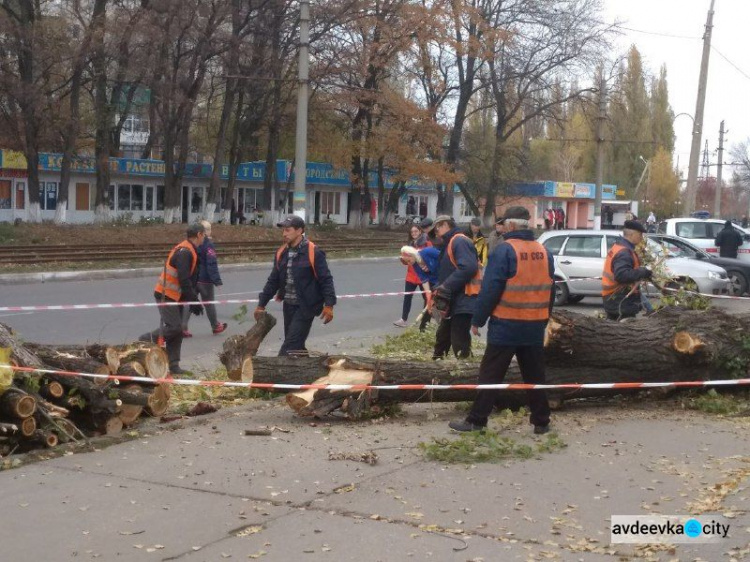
point(695, 149)
point(717, 196)
point(300, 149)
point(600, 151)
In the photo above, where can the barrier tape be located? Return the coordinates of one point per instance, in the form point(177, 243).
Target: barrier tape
point(360, 387)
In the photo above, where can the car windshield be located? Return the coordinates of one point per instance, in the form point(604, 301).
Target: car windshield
point(681, 248)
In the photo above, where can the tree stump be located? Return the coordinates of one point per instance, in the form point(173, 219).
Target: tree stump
point(238, 348)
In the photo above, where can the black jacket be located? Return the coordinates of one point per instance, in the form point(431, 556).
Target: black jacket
point(313, 293)
point(182, 261)
point(728, 240)
point(453, 279)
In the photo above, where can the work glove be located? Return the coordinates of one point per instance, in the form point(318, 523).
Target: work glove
point(327, 314)
point(258, 313)
point(196, 309)
point(647, 273)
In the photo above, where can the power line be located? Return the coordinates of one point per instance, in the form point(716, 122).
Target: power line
point(737, 68)
point(658, 34)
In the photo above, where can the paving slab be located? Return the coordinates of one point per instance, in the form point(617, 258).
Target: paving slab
point(57, 514)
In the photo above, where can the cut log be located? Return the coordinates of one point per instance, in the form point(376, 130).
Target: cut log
point(45, 438)
point(238, 348)
point(158, 400)
point(673, 345)
point(27, 427)
point(52, 390)
point(133, 400)
point(132, 369)
point(17, 404)
point(113, 426)
point(153, 360)
point(101, 353)
point(8, 428)
point(69, 362)
point(65, 429)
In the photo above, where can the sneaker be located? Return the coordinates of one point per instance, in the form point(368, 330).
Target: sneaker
point(186, 334)
point(541, 429)
point(401, 323)
point(463, 426)
point(220, 328)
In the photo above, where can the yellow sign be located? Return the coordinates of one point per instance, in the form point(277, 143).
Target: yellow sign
point(13, 160)
point(565, 189)
point(621, 192)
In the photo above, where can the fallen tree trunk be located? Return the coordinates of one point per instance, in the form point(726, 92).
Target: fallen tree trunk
point(673, 345)
point(237, 349)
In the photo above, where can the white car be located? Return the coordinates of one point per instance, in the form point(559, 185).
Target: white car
point(579, 262)
point(702, 232)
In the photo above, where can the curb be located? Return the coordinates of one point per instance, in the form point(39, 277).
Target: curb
point(104, 274)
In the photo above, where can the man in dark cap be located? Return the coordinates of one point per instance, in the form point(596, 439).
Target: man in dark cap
point(623, 274)
point(458, 285)
point(426, 225)
point(729, 241)
point(301, 279)
point(517, 296)
point(480, 242)
point(496, 237)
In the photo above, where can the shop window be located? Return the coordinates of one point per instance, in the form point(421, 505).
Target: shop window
point(20, 195)
point(111, 197)
point(123, 197)
point(150, 198)
point(47, 195)
point(330, 203)
point(159, 197)
point(5, 192)
point(196, 199)
point(136, 197)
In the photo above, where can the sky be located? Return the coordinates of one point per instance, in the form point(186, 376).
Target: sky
point(670, 32)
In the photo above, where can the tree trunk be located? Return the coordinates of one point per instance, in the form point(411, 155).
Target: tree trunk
point(238, 348)
point(17, 404)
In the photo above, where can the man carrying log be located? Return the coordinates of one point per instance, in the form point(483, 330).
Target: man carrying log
point(301, 279)
point(458, 286)
point(177, 283)
point(623, 274)
point(517, 296)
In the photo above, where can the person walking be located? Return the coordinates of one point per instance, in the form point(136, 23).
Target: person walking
point(623, 274)
point(300, 278)
point(517, 296)
point(496, 237)
point(560, 219)
point(417, 240)
point(480, 242)
point(208, 278)
point(728, 241)
point(458, 285)
point(177, 283)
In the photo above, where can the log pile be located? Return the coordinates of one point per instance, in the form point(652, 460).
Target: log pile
point(44, 409)
point(673, 345)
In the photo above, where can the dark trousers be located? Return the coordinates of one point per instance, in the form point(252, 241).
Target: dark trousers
point(171, 330)
point(297, 324)
point(619, 305)
point(453, 332)
point(409, 287)
point(494, 365)
point(207, 293)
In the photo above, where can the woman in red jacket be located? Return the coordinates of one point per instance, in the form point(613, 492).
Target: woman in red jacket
point(417, 240)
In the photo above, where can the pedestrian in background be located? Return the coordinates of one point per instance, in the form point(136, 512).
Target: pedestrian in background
point(517, 296)
point(418, 240)
point(728, 241)
point(300, 278)
point(177, 283)
point(458, 286)
point(496, 237)
point(208, 278)
point(480, 242)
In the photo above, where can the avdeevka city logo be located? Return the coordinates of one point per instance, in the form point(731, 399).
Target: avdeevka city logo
point(693, 528)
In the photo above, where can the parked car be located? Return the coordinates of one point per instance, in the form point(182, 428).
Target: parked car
point(702, 232)
point(737, 270)
point(580, 254)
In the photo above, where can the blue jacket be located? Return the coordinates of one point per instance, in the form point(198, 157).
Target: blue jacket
point(454, 279)
point(501, 266)
point(431, 257)
point(312, 292)
point(208, 265)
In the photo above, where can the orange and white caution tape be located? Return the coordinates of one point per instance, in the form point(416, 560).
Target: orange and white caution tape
point(396, 387)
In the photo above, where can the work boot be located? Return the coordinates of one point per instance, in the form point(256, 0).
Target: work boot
point(464, 426)
point(541, 429)
point(177, 370)
point(220, 328)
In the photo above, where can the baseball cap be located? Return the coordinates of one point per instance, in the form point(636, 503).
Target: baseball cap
point(293, 221)
point(425, 223)
point(520, 213)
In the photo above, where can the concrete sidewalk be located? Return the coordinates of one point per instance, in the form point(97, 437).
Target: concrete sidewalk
point(206, 492)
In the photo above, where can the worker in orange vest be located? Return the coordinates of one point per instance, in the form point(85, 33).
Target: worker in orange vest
point(517, 295)
point(623, 274)
point(177, 283)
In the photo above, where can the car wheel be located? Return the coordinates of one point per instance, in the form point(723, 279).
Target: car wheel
point(573, 299)
point(739, 282)
point(561, 293)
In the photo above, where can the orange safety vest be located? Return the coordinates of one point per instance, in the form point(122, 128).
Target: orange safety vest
point(473, 286)
point(168, 284)
point(609, 285)
point(527, 293)
point(310, 256)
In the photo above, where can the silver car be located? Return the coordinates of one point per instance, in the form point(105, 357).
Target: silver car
point(580, 254)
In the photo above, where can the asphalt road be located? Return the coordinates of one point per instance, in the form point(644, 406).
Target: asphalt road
point(358, 323)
